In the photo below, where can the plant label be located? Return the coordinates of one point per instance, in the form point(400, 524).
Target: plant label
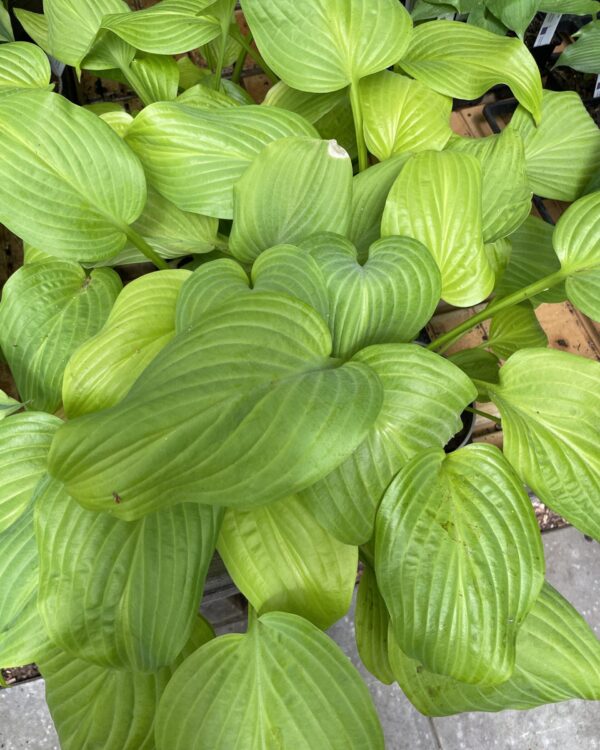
point(549, 25)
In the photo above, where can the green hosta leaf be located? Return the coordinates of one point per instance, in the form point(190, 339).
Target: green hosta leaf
point(103, 708)
point(423, 397)
point(284, 683)
point(231, 50)
point(203, 97)
point(388, 299)
point(282, 560)
point(6, 32)
point(480, 16)
point(558, 658)
point(167, 28)
point(423, 10)
point(369, 193)
point(498, 255)
point(324, 45)
point(464, 61)
point(83, 186)
point(514, 14)
point(25, 639)
point(48, 310)
point(532, 257)
point(258, 369)
point(401, 115)
point(459, 561)
point(549, 402)
point(23, 66)
point(36, 26)
point(505, 193)
point(284, 269)
point(437, 200)
point(155, 78)
point(576, 7)
point(141, 323)
point(8, 405)
point(118, 120)
point(478, 365)
point(584, 55)
point(194, 157)
point(372, 624)
point(556, 170)
point(296, 187)
point(515, 328)
point(121, 594)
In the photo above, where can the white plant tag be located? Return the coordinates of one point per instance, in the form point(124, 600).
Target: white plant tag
point(549, 25)
point(597, 88)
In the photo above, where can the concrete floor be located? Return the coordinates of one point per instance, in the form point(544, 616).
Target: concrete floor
point(573, 567)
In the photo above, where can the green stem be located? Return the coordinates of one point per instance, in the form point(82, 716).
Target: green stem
point(254, 54)
point(366, 556)
point(447, 339)
point(357, 114)
point(221, 57)
point(239, 63)
point(485, 414)
point(141, 244)
point(252, 617)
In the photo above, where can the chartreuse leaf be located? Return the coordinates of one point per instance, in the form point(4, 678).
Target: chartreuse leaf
point(584, 55)
point(388, 299)
point(48, 310)
point(194, 157)
point(459, 561)
point(252, 395)
point(296, 187)
point(36, 26)
point(576, 7)
point(549, 402)
point(436, 199)
point(167, 28)
point(23, 66)
point(284, 269)
point(498, 254)
point(6, 32)
point(552, 170)
point(558, 658)
point(401, 114)
point(204, 97)
point(121, 594)
point(479, 365)
point(324, 45)
point(505, 192)
point(118, 120)
point(8, 405)
point(464, 61)
point(423, 397)
point(83, 186)
point(372, 624)
point(141, 323)
point(94, 706)
point(515, 328)
point(282, 560)
point(514, 14)
point(155, 78)
point(282, 684)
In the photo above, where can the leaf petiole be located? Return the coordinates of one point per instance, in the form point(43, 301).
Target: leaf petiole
point(357, 114)
point(141, 244)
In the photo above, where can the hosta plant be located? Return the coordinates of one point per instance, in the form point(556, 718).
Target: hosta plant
point(261, 393)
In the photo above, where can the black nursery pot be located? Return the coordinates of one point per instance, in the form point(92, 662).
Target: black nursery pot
point(465, 435)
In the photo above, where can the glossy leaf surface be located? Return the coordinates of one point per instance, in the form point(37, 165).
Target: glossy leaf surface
point(515, 328)
point(372, 624)
point(23, 66)
point(584, 55)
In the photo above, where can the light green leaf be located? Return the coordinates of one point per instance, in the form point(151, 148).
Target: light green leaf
point(459, 561)
point(119, 121)
point(155, 78)
point(103, 708)
point(505, 192)
point(284, 683)
point(324, 45)
point(23, 66)
point(190, 75)
point(48, 310)
point(464, 61)
point(515, 328)
point(584, 54)
point(36, 26)
point(372, 624)
point(437, 200)
point(558, 658)
point(478, 365)
point(257, 368)
point(121, 594)
point(423, 397)
point(8, 405)
point(25, 639)
point(514, 14)
point(553, 170)
point(194, 157)
point(387, 299)
point(141, 323)
point(83, 186)
point(6, 32)
point(480, 16)
point(295, 188)
point(498, 255)
point(232, 48)
point(576, 7)
point(203, 97)
point(401, 115)
point(282, 560)
point(549, 402)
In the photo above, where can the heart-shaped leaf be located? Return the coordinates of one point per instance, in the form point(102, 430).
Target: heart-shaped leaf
point(436, 199)
point(372, 624)
point(296, 187)
point(194, 157)
point(48, 309)
point(257, 368)
point(155, 78)
point(584, 55)
point(463, 61)
point(401, 114)
point(388, 299)
point(549, 402)
point(121, 594)
point(558, 658)
point(423, 397)
point(457, 585)
point(515, 328)
point(514, 14)
point(282, 560)
point(83, 186)
point(204, 97)
point(324, 45)
point(282, 682)
point(23, 66)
